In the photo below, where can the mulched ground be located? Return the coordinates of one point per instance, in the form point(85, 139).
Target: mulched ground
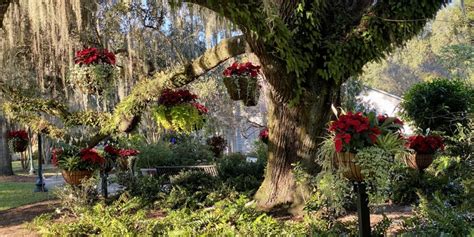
point(12, 220)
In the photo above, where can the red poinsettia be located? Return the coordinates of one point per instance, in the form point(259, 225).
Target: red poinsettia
point(389, 124)
point(109, 149)
point(170, 98)
point(90, 56)
point(19, 134)
point(242, 69)
point(353, 131)
point(425, 144)
point(91, 156)
point(383, 117)
point(263, 135)
point(200, 107)
point(128, 152)
point(55, 153)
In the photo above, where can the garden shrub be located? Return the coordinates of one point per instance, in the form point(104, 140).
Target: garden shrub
point(436, 217)
point(124, 217)
point(186, 152)
point(438, 105)
point(242, 175)
point(192, 152)
point(155, 155)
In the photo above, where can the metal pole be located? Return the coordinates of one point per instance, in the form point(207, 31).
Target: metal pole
point(363, 209)
point(104, 175)
point(30, 155)
point(39, 181)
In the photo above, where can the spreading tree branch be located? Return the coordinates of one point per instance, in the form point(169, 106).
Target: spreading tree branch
point(128, 111)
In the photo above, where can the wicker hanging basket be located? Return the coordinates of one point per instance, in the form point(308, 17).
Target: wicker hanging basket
point(75, 177)
point(246, 89)
point(346, 161)
point(20, 145)
point(419, 161)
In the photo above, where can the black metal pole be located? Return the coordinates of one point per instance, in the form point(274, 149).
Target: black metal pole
point(363, 209)
point(104, 175)
point(39, 180)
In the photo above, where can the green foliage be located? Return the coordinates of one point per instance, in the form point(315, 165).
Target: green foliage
point(125, 217)
point(439, 105)
point(76, 199)
point(375, 164)
point(181, 118)
point(436, 217)
point(92, 79)
point(187, 152)
point(242, 175)
point(193, 190)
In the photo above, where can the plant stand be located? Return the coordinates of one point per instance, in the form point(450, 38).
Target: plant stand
point(362, 209)
point(103, 182)
point(39, 181)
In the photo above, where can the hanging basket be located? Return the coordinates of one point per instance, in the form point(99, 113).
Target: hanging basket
point(419, 161)
point(243, 88)
point(92, 79)
point(75, 177)
point(20, 145)
point(346, 161)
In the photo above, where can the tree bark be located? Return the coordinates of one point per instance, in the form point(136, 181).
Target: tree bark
point(295, 134)
point(5, 157)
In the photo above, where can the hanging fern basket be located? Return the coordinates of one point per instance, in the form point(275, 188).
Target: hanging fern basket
point(92, 79)
point(242, 88)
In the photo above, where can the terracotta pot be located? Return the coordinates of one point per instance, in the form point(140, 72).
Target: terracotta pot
point(20, 145)
point(419, 161)
point(75, 177)
point(346, 161)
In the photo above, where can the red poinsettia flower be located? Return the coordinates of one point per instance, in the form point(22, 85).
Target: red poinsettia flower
point(128, 152)
point(90, 56)
point(55, 153)
point(111, 150)
point(19, 134)
point(425, 144)
point(200, 107)
point(242, 69)
point(353, 131)
point(91, 156)
point(170, 98)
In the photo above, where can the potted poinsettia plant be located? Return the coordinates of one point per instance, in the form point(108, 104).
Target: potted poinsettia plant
point(423, 149)
point(94, 70)
point(179, 110)
point(76, 164)
point(352, 132)
point(18, 140)
point(241, 81)
point(263, 135)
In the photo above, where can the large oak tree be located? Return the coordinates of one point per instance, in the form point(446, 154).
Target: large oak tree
point(307, 48)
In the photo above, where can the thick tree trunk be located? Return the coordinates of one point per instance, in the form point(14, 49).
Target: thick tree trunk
point(5, 157)
point(295, 134)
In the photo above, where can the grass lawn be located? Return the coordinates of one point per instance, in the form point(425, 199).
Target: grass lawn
point(48, 170)
point(19, 194)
